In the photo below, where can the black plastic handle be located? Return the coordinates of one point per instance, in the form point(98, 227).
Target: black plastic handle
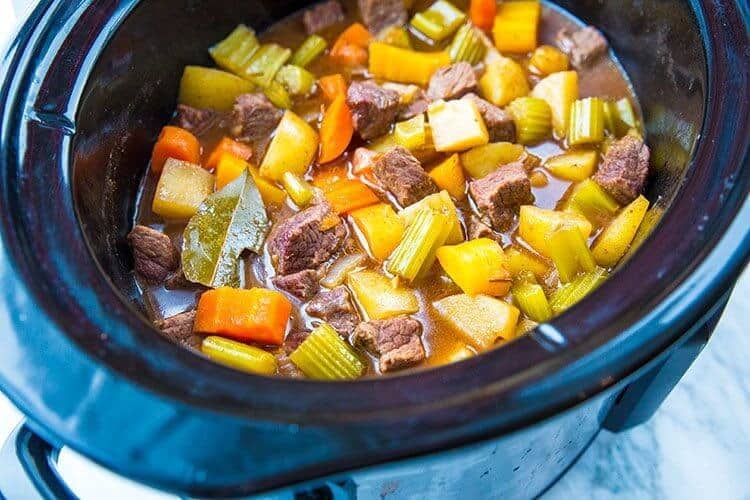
point(27, 468)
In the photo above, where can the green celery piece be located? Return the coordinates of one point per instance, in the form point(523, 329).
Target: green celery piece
point(266, 62)
point(308, 51)
point(467, 46)
point(439, 21)
point(235, 52)
point(227, 223)
point(325, 356)
point(297, 80)
point(570, 294)
point(278, 95)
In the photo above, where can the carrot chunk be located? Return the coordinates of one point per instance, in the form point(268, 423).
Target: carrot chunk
point(348, 195)
point(483, 13)
point(332, 86)
point(336, 130)
point(227, 145)
point(177, 143)
point(351, 46)
point(256, 315)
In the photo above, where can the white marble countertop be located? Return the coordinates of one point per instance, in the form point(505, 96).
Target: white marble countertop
point(697, 446)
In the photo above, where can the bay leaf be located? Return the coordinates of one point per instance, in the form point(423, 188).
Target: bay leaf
point(228, 222)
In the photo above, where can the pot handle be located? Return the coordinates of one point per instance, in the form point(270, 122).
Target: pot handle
point(27, 468)
point(638, 402)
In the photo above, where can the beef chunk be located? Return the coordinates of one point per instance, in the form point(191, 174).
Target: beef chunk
point(303, 285)
point(294, 339)
point(374, 108)
point(254, 117)
point(322, 15)
point(194, 120)
point(401, 173)
point(624, 169)
point(499, 123)
point(179, 329)
point(395, 340)
point(336, 309)
point(154, 254)
point(452, 82)
point(306, 240)
point(416, 107)
point(585, 46)
point(379, 14)
point(478, 229)
point(499, 195)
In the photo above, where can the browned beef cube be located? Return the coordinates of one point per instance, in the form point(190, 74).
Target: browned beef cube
point(400, 172)
point(396, 341)
point(294, 339)
point(452, 82)
point(194, 120)
point(478, 229)
point(416, 107)
point(499, 123)
point(322, 15)
point(154, 254)
point(254, 117)
point(336, 309)
point(303, 285)
point(624, 170)
point(306, 240)
point(374, 108)
point(379, 14)
point(179, 329)
point(584, 46)
point(499, 195)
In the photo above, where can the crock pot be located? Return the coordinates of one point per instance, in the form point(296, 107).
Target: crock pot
point(86, 87)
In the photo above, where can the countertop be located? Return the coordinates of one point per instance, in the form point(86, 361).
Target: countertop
point(697, 445)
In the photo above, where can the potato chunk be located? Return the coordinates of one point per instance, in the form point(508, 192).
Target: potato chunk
point(181, 189)
point(457, 125)
point(482, 320)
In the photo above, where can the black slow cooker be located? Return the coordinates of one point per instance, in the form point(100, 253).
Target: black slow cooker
point(86, 87)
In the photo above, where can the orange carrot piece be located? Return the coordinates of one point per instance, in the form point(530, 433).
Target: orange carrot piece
point(483, 13)
point(177, 143)
point(332, 86)
point(332, 174)
point(336, 130)
point(348, 195)
point(351, 46)
point(256, 315)
point(227, 145)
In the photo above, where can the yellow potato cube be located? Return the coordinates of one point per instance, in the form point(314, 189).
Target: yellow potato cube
point(482, 320)
point(381, 228)
point(483, 160)
point(614, 242)
point(292, 148)
point(450, 176)
point(574, 166)
point(378, 298)
point(457, 125)
point(503, 81)
point(560, 90)
point(477, 267)
point(181, 189)
point(211, 88)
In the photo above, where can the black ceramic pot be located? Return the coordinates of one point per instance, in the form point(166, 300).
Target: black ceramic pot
point(87, 85)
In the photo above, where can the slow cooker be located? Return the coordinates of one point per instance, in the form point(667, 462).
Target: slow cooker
point(86, 87)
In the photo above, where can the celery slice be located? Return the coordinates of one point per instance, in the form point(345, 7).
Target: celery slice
point(610, 117)
point(533, 118)
point(397, 36)
point(467, 46)
point(625, 113)
point(569, 252)
point(266, 62)
point(308, 51)
point(439, 21)
point(278, 95)
point(325, 356)
point(298, 189)
point(297, 80)
point(239, 356)
point(531, 299)
point(236, 51)
point(575, 291)
point(586, 122)
point(416, 253)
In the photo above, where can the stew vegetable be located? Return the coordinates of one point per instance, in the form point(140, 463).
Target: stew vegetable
point(369, 187)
